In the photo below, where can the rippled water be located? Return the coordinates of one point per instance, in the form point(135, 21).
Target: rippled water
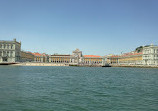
point(78, 89)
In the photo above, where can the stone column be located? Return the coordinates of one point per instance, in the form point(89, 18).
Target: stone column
point(2, 46)
point(9, 46)
point(60, 59)
point(9, 54)
point(50, 59)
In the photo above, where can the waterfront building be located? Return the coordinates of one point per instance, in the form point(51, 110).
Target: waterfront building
point(27, 56)
point(93, 60)
point(41, 57)
point(10, 51)
point(77, 59)
point(143, 55)
point(132, 58)
point(150, 55)
point(66, 58)
point(113, 59)
point(58, 58)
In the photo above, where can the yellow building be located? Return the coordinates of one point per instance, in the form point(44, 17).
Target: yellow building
point(131, 58)
point(60, 58)
point(40, 57)
point(92, 60)
point(113, 59)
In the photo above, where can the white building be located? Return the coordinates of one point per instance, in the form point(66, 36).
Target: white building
point(150, 55)
point(10, 51)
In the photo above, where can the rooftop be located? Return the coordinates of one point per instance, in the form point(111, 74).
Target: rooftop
point(92, 56)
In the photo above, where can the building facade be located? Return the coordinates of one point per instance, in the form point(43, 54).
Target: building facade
point(146, 55)
point(77, 59)
point(10, 51)
point(27, 56)
point(93, 60)
point(40, 57)
point(132, 58)
point(150, 55)
point(112, 59)
point(57, 58)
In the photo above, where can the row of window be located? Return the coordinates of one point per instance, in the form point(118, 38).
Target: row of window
point(150, 56)
point(6, 53)
point(149, 51)
point(6, 46)
point(92, 62)
point(60, 61)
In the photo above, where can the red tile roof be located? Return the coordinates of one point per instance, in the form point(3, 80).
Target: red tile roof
point(126, 55)
point(91, 56)
point(130, 54)
point(114, 56)
point(37, 54)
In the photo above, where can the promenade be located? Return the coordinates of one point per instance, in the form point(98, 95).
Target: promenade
point(62, 64)
point(39, 64)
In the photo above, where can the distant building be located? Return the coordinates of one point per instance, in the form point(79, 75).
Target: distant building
point(132, 58)
point(93, 60)
point(10, 51)
point(150, 55)
point(64, 58)
point(59, 58)
point(113, 59)
point(77, 59)
point(27, 56)
point(40, 57)
point(143, 55)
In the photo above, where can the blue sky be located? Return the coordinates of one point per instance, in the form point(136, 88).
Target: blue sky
point(98, 27)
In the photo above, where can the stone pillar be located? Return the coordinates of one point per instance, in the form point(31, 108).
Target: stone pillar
point(9, 54)
point(35, 59)
point(2, 46)
point(50, 59)
point(9, 46)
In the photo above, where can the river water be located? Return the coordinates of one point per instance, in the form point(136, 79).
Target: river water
point(24, 88)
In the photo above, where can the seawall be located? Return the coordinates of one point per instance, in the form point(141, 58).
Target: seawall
point(134, 66)
point(39, 64)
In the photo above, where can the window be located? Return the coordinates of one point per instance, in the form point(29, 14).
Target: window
point(7, 53)
point(11, 54)
point(11, 46)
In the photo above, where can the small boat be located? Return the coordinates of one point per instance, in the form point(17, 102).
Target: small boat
point(106, 65)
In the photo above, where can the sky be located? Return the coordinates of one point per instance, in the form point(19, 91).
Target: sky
point(96, 27)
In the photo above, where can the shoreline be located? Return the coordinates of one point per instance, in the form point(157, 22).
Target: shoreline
point(134, 66)
point(64, 64)
point(38, 64)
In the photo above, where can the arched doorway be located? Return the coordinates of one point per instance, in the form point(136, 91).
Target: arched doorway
point(4, 59)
